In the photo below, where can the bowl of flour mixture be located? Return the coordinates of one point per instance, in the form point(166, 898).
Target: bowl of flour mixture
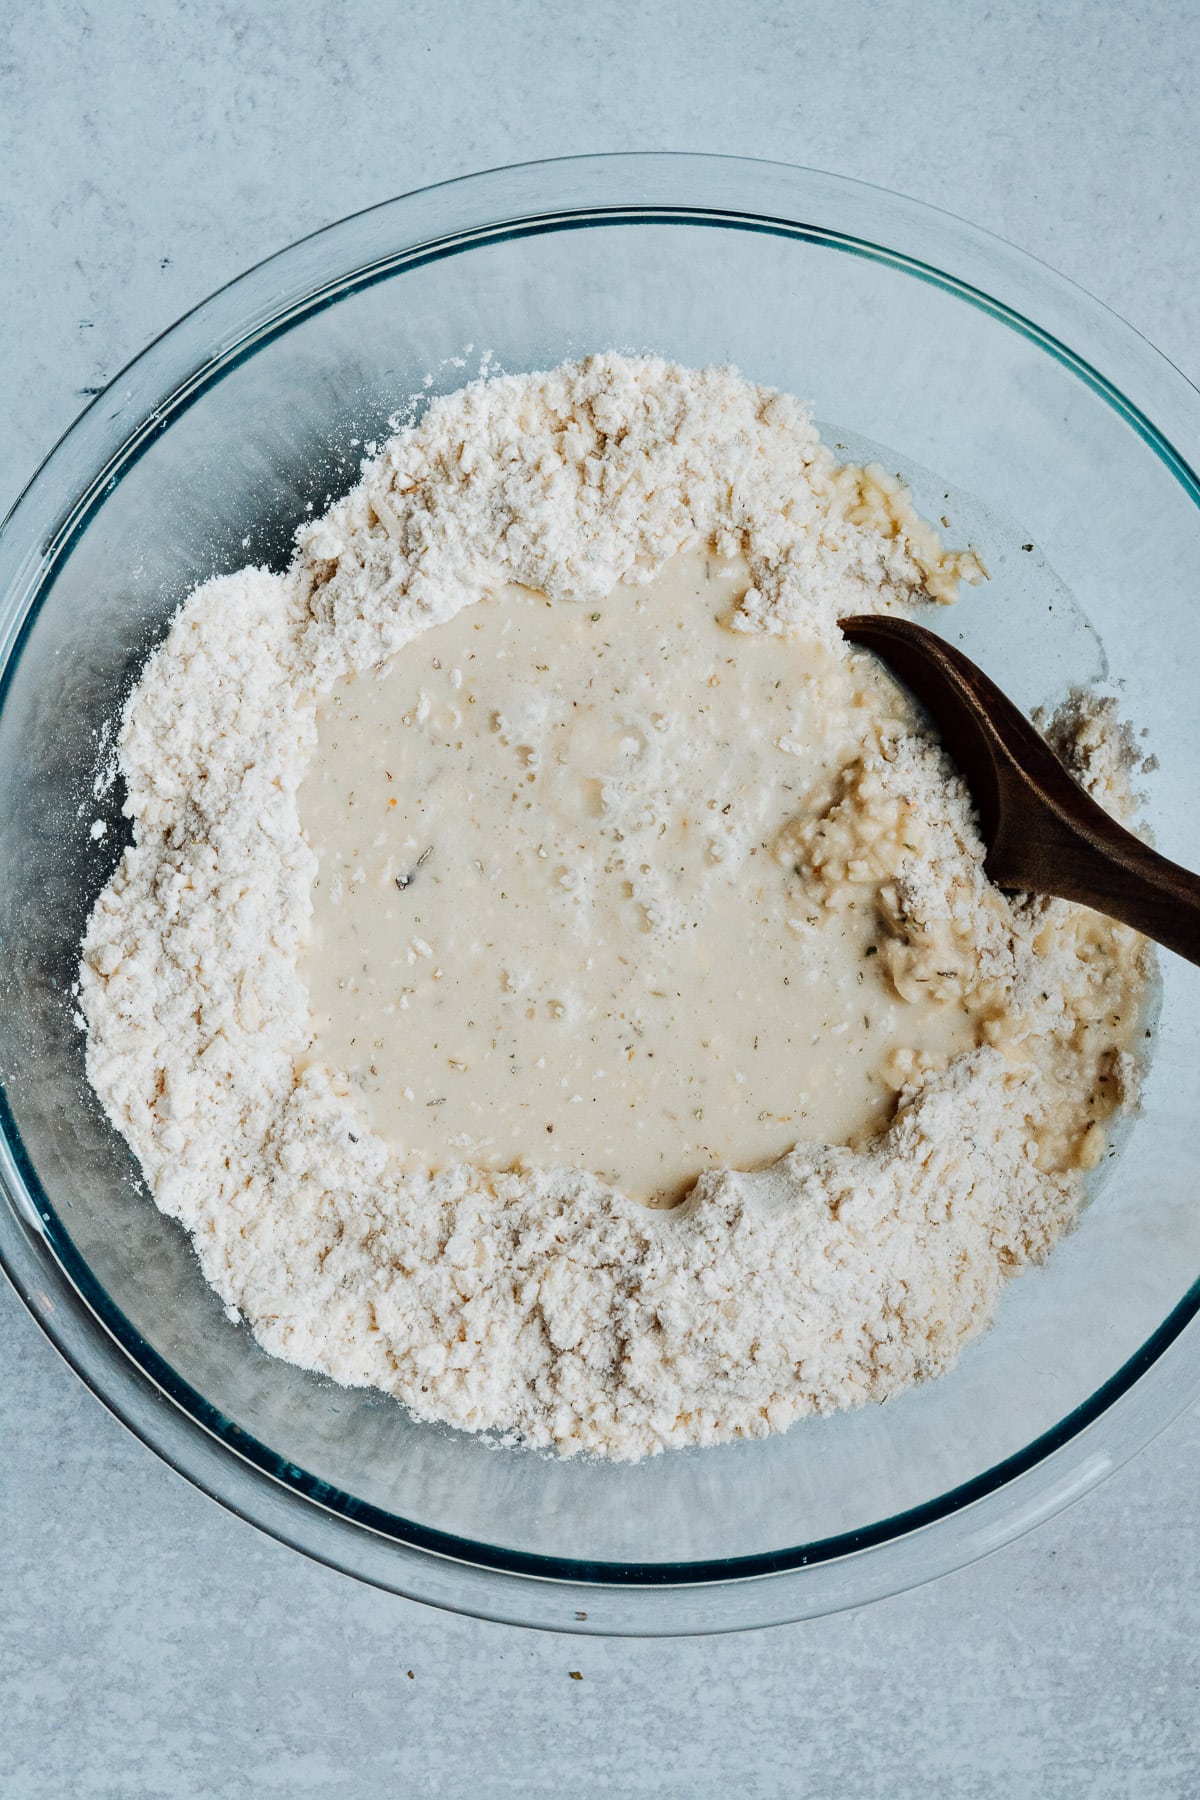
point(512, 1064)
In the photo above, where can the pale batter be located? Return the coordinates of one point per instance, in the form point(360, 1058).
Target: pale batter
point(555, 922)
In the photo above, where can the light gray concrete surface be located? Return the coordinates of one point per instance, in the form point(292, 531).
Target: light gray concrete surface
point(151, 1645)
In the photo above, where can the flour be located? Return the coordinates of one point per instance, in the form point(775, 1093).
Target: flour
point(543, 1303)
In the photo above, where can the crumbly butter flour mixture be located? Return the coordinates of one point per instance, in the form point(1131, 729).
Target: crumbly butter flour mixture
point(408, 1121)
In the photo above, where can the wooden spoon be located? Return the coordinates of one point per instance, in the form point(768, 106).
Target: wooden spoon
point(1043, 833)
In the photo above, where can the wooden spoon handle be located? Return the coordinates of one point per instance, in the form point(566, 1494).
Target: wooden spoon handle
point(1087, 857)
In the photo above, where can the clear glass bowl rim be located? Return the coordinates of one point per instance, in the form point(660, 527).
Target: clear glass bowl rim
point(36, 1253)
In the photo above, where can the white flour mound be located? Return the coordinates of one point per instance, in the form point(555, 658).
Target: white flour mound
point(542, 1303)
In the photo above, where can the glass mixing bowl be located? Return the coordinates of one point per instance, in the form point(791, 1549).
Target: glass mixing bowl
point(1047, 432)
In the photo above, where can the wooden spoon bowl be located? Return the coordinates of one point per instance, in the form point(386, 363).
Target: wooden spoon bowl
point(1044, 833)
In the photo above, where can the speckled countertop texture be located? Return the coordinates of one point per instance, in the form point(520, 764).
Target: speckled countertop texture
point(152, 1645)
